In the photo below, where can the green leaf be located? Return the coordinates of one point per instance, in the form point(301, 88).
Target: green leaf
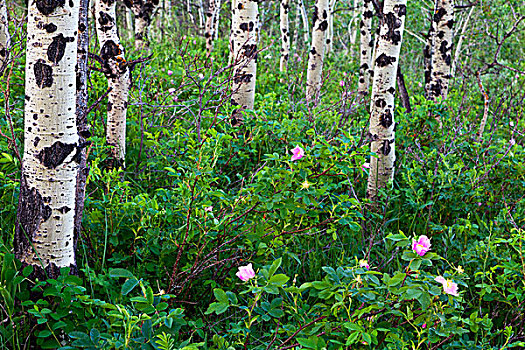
point(116, 273)
point(220, 295)
point(279, 279)
point(275, 265)
point(94, 335)
point(129, 285)
point(424, 300)
point(218, 308)
point(27, 270)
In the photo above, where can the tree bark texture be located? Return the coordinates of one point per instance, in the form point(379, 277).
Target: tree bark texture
point(44, 232)
point(304, 16)
point(117, 73)
point(245, 30)
point(211, 21)
point(330, 31)
point(382, 102)
point(143, 11)
point(81, 113)
point(285, 35)
point(317, 51)
point(4, 37)
point(366, 47)
point(442, 41)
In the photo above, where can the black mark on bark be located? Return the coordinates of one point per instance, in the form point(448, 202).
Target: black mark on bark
point(54, 155)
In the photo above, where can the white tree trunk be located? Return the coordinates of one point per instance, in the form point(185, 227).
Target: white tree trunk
point(330, 32)
point(201, 14)
point(245, 34)
point(366, 47)
point(317, 51)
point(285, 35)
point(4, 36)
point(382, 102)
point(129, 23)
point(441, 49)
point(216, 20)
point(211, 23)
point(141, 32)
point(45, 220)
point(117, 74)
point(460, 42)
point(306, 25)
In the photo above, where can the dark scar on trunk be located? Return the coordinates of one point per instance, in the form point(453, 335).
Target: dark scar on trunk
point(43, 74)
point(54, 155)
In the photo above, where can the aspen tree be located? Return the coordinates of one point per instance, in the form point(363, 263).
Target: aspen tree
point(285, 35)
point(427, 51)
point(317, 51)
point(441, 49)
point(211, 23)
point(330, 32)
point(366, 47)
point(44, 232)
point(244, 46)
point(4, 36)
point(117, 73)
point(382, 102)
point(81, 113)
point(216, 21)
point(304, 16)
point(143, 10)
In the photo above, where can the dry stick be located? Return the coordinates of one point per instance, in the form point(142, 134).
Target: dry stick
point(485, 110)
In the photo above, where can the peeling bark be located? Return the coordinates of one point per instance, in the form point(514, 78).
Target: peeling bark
point(382, 124)
point(366, 47)
point(117, 73)
point(317, 51)
point(245, 31)
point(44, 232)
point(4, 37)
point(285, 35)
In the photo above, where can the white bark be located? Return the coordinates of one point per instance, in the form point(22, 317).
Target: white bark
point(4, 36)
point(441, 49)
point(330, 32)
point(117, 74)
point(44, 232)
point(129, 23)
point(382, 103)
point(317, 51)
point(141, 32)
point(460, 42)
point(201, 14)
point(245, 34)
point(285, 35)
point(216, 20)
point(304, 16)
point(366, 47)
point(211, 24)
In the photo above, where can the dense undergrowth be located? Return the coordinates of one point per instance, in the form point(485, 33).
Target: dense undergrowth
point(163, 239)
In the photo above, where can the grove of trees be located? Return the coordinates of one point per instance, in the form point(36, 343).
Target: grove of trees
point(262, 174)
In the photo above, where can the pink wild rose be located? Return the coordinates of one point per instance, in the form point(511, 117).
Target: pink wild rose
point(170, 72)
point(298, 153)
point(245, 272)
point(365, 166)
point(449, 287)
point(421, 246)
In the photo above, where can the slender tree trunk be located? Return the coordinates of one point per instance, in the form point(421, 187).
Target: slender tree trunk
point(129, 23)
point(296, 27)
point(216, 21)
point(330, 32)
point(367, 46)
point(44, 233)
point(382, 103)
point(460, 42)
point(285, 35)
point(427, 51)
point(317, 52)
point(442, 50)
point(201, 14)
point(4, 37)
point(81, 113)
point(245, 34)
point(306, 25)
point(143, 11)
point(117, 73)
point(211, 22)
